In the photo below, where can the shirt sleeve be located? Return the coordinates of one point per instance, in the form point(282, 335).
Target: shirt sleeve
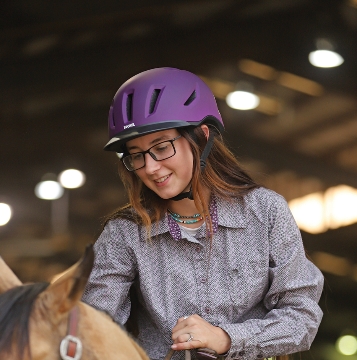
point(112, 275)
point(293, 316)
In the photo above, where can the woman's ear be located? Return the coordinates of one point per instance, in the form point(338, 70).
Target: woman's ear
point(205, 129)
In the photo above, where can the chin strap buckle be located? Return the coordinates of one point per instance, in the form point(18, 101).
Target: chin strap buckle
point(202, 164)
point(184, 195)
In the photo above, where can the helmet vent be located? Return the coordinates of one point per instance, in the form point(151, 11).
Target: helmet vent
point(129, 107)
point(191, 98)
point(153, 101)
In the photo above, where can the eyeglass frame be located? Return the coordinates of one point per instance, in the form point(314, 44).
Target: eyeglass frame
point(150, 153)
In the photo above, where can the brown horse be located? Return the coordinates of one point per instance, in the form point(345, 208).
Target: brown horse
point(48, 321)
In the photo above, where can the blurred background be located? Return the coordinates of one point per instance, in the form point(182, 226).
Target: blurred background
point(295, 131)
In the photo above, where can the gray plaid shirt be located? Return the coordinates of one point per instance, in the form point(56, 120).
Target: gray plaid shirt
point(257, 284)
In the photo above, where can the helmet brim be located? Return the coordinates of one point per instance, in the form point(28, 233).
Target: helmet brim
point(117, 141)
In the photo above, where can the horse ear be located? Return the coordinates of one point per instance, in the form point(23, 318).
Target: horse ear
point(8, 279)
point(66, 289)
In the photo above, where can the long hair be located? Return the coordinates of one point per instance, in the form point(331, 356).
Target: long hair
point(223, 176)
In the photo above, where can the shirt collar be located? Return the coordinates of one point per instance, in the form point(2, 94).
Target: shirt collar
point(223, 212)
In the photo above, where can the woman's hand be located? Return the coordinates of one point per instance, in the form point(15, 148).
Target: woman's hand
point(194, 332)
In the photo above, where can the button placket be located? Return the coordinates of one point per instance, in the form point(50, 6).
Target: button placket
point(202, 280)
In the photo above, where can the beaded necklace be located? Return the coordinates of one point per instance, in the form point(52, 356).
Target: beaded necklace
point(185, 219)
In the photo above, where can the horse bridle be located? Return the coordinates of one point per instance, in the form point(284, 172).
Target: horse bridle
point(71, 345)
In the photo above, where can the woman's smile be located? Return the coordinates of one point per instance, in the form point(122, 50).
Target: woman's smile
point(161, 180)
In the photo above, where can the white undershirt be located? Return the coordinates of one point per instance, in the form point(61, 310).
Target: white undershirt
point(190, 231)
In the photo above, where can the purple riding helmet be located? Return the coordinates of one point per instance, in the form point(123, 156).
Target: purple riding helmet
point(160, 99)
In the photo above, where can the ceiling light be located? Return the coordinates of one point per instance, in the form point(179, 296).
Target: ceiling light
point(5, 214)
point(341, 206)
point(72, 178)
point(308, 212)
point(318, 212)
point(347, 345)
point(242, 100)
point(325, 56)
point(49, 190)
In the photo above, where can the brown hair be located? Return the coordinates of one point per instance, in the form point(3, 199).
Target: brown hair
point(223, 176)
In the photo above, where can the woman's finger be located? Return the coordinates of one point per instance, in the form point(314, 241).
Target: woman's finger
point(186, 345)
point(183, 322)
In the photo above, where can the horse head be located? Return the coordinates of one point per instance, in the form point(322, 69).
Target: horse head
point(42, 321)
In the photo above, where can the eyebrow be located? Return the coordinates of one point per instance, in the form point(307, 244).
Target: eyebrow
point(156, 140)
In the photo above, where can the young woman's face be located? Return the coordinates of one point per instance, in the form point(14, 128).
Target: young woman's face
point(170, 177)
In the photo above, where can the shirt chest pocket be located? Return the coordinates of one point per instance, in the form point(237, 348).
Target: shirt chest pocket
point(248, 283)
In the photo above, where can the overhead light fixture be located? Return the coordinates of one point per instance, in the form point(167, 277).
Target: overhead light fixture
point(49, 190)
point(309, 213)
point(243, 98)
point(321, 211)
point(325, 56)
point(347, 345)
point(5, 213)
point(267, 105)
point(72, 178)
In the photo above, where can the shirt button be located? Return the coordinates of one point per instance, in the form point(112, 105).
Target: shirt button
point(207, 310)
point(203, 281)
point(260, 356)
point(241, 353)
point(234, 355)
point(198, 249)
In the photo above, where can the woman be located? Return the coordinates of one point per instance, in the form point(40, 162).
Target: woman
point(216, 260)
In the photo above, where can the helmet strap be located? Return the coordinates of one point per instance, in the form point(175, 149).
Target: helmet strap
point(206, 150)
point(183, 195)
point(204, 155)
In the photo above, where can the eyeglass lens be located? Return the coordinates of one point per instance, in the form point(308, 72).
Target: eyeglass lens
point(158, 152)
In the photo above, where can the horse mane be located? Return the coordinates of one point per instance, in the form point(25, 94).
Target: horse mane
point(16, 306)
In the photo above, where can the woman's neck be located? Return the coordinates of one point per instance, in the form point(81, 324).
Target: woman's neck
point(187, 207)
point(184, 207)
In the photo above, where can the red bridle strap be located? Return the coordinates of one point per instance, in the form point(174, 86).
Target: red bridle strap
point(71, 346)
point(72, 330)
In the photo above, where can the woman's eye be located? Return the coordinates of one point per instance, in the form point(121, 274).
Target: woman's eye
point(161, 147)
point(136, 157)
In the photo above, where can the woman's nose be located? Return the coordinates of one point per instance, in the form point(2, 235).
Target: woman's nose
point(151, 165)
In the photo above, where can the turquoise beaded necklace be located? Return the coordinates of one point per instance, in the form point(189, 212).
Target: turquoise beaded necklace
point(185, 219)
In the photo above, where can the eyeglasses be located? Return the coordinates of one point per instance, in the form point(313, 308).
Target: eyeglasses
point(161, 151)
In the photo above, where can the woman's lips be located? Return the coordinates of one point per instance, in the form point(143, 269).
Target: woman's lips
point(161, 180)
